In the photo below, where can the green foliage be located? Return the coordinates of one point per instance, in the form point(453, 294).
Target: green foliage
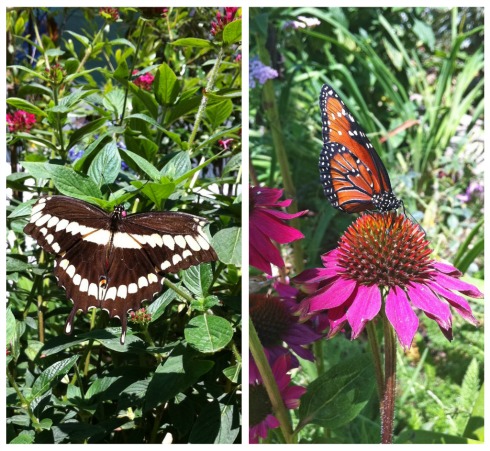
point(103, 137)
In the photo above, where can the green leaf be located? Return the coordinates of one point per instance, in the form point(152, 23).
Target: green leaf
point(431, 438)
point(71, 183)
point(180, 371)
point(91, 127)
point(22, 104)
point(198, 279)
point(83, 39)
point(121, 74)
point(192, 42)
point(232, 32)
point(219, 113)
point(146, 99)
point(474, 428)
point(37, 140)
point(217, 423)
point(228, 245)
point(16, 263)
point(47, 378)
point(166, 86)
point(114, 101)
point(339, 395)
point(156, 192)
point(179, 165)
point(158, 306)
point(106, 165)
point(139, 163)
point(37, 170)
point(233, 373)
point(208, 333)
point(24, 438)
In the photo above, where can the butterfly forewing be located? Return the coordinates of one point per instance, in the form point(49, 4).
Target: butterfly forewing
point(115, 262)
point(353, 175)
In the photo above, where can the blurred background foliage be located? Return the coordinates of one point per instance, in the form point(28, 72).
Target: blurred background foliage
point(413, 78)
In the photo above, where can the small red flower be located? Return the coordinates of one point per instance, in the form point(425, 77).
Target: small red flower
point(144, 81)
point(222, 21)
point(20, 121)
point(109, 14)
point(224, 143)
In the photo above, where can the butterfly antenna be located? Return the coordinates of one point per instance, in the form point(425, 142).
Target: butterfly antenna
point(409, 215)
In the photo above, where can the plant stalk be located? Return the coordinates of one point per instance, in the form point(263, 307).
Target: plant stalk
point(388, 402)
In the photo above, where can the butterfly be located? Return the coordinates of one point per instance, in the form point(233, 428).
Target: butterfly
point(353, 176)
point(115, 261)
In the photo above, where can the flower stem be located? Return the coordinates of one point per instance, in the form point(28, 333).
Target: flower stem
point(388, 402)
point(204, 101)
point(270, 385)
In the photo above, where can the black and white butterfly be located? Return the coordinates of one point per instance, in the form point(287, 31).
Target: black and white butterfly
point(115, 261)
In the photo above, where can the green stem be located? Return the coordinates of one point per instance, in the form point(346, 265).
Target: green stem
point(270, 385)
point(272, 113)
point(388, 403)
point(204, 101)
point(58, 122)
point(177, 289)
point(88, 50)
point(133, 63)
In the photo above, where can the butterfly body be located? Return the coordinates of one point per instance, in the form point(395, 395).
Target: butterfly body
point(115, 261)
point(353, 176)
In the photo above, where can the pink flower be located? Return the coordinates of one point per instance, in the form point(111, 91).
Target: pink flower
point(109, 14)
point(224, 143)
point(144, 81)
point(261, 416)
point(267, 224)
point(222, 21)
point(20, 121)
point(383, 261)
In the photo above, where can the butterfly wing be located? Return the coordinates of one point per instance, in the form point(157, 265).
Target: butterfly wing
point(171, 240)
point(114, 264)
point(353, 175)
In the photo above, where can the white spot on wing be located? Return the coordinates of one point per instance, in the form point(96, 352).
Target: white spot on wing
point(203, 242)
point(152, 278)
point(186, 253)
point(111, 293)
point(71, 270)
point(100, 237)
point(132, 288)
point(77, 279)
point(180, 240)
point(192, 243)
point(61, 225)
point(84, 285)
point(165, 265)
point(168, 241)
point(142, 282)
point(35, 217)
point(176, 259)
point(123, 240)
point(157, 239)
point(93, 291)
point(53, 221)
point(122, 291)
point(64, 264)
point(56, 247)
point(43, 220)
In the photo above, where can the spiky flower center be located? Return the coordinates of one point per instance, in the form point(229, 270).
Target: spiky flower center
point(385, 250)
point(271, 318)
point(260, 405)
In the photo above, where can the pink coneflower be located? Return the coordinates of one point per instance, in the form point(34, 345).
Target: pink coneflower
point(144, 81)
point(266, 224)
point(222, 21)
point(262, 418)
point(275, 322)
point(20, 121)
point(383, 261)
